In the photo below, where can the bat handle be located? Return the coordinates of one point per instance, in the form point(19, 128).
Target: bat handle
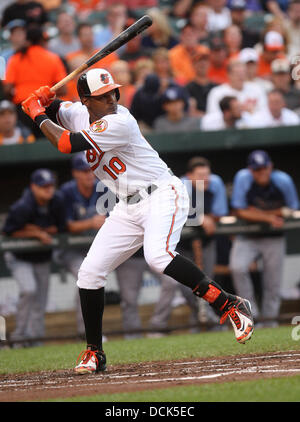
point(69, 77)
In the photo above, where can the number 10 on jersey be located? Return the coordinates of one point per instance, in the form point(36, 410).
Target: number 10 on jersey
point(114, 167)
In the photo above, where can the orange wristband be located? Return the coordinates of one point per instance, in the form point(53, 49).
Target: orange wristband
point(64, 143)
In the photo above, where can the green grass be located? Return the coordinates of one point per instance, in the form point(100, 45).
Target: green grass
point(263, 390)
point(63, 356)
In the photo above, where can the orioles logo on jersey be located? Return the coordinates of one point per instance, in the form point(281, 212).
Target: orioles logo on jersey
point(104, 78)
point(99, 126)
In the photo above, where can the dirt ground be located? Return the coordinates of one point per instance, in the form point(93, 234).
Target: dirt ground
point(149, 375)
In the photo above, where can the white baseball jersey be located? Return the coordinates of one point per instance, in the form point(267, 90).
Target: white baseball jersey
point(119, 156)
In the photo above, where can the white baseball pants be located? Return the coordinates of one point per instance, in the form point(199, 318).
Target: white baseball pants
point(154, 223)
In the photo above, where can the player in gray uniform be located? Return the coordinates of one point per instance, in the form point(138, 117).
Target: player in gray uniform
point(39, 213)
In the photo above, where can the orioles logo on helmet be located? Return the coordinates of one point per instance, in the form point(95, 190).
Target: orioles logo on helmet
point(104, 78)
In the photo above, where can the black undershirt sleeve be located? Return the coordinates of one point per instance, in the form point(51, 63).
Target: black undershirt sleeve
point(78, 142)
point(52, 110)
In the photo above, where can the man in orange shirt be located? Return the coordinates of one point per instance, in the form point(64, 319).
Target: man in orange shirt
point(30, 68)
point(86, 39)
point(273, 48)
point(183, 54)
point(217, 72)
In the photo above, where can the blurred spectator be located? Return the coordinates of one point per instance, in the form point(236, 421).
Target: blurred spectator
point(163, 69)
point(10, 132)
point(199, 20)
point(183, 55)
point(291, 23)
point(202, 247)
point(121, 73)
point(238, 9)
point(276, 113)
point(30, 11)
point(182, 8)
point(146, 103)
point(17, 37)
point(201, 85)
point(282, 81)
point(51, 4)
point(273, 48)
point(32, 67)
point(142, 68)
point(249, 56)
point(65, 42)
point(38, 214)
point(275, 7)
point(86, 50)
point(219, 16)
point(263, 195)
point(249, 94)
point(230, 116)
point(86, 40)
point(176, 119)
point(233, 41)
point(84, 8)
point(116, 18)
point(80, 196)
point(159, 34)
point(217, 72)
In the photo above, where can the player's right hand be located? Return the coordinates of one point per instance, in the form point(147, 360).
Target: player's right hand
point(45, 95)
point(32, 106)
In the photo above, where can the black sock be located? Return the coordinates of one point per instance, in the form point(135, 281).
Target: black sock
point(92, 307)
point(186, 272)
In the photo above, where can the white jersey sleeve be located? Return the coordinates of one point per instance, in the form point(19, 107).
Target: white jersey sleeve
point(110, 132)
point(71, 115)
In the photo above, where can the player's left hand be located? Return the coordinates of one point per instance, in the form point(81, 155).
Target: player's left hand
point(32, 106)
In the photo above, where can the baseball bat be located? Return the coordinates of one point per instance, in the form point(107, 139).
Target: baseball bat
point(125, 36)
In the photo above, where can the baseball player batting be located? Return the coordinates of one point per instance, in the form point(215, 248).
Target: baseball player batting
point(122, 159)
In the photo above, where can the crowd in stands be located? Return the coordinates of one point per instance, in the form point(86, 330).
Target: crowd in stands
point(202, 65)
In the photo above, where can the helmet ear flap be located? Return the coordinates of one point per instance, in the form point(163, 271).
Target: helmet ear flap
point(117, 94)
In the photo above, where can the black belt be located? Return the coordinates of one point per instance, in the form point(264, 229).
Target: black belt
point(137, 197)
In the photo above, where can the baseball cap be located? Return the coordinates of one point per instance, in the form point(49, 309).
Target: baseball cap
point(7, 105)
point(95, 82)
point(248, 55)
point(173, 93)
point(273, 41)
point(258, 159)
point(280, 66)
point(238, 5)
point(15, 23)
point(79, 162)
point(42, 177)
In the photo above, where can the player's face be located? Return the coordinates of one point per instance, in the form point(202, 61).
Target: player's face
point(200, 173)
point(43, 194)
point(8, 120)
point(262, 175)
point(101, 105)
point(85, 178)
